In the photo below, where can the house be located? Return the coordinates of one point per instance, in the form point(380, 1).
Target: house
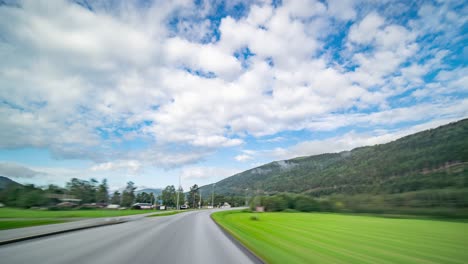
point(142, 206)
point(113, 206)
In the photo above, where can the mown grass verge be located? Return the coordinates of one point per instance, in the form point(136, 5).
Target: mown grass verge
point(26, 223)
point(94, 213)
point(342, 238)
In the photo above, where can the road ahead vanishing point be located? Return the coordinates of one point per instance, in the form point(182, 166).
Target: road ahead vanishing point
point(191, 237)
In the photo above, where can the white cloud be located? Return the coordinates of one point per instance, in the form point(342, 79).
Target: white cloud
point(349, 141)
point(366, 31)
point(303, 9)
point(243, 157)
point(274, 139)
point(430, 111)
point(80, 83)
point(128, 166)
point(204, 175)
point(207, 58)
point(15, 170)
point(342, 9)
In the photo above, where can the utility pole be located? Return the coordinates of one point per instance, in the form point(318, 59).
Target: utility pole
point(177, 206)
point(246, 195)
point(193, 198)
point(212, 196)
point(199, 201)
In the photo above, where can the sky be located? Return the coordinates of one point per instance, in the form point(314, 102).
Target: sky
point(154, 91)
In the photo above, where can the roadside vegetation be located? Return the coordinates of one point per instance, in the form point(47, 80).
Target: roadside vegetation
point(94, 213)
point(165, 213)
point(436, 203)
point(426, 173)
point(17, 217)
point(26, 223)
point(342, 238)
point(77, 193)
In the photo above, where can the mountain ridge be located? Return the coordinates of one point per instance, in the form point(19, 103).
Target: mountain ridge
point(5, 181)
point(406, 164)
point(155, 191)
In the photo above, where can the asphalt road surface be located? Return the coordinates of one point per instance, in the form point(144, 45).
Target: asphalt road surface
point(190, 237)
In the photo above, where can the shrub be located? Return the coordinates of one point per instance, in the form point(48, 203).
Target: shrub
point(290, 199)
point(254, 218)
point(275, 203)
point(307, 204)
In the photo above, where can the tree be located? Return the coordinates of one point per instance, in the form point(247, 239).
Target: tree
point(193, 196)
point(169, 196)
point(306, 204)
point(275, 203)
point(116, 199)
point(144, 197)
point(23, 196)
point(219, 200)
point(84, 190)
point(54, 189)
point(31, 196)
point(102, 193)
point(128, 195)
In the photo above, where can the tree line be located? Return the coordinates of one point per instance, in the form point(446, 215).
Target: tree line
point(446, 202)
point(77, 190)
point(89, 193)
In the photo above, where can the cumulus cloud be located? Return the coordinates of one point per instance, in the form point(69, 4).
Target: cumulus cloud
point(89, 83)
point(129, 166)
point(348, 141)
point(342, 9)
point(366, 30)
point(243, 157)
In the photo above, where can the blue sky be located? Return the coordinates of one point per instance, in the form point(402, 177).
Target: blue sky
point(151, 91)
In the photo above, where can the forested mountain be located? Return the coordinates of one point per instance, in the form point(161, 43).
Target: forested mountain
point(429, 160)
point(5, 181)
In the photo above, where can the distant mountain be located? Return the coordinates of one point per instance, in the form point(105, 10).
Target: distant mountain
point(432, 159)
point(5, 181)
point(155, 192)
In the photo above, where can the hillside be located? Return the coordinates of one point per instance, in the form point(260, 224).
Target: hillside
point(432, 159)
point(155, 192)
point(5, 181)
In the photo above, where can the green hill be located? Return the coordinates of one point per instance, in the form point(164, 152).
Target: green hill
point(5, 182)
point(435, 159)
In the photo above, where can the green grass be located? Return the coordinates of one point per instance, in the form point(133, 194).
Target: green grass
point(29, 213)
point(25, 223)
point(341, 238)
point(165, 214)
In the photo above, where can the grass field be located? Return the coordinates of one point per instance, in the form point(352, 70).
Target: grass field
point(25, 223)
point(341, 238)
point(29, 213)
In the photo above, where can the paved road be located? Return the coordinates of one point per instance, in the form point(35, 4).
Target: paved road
point(191, 237)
